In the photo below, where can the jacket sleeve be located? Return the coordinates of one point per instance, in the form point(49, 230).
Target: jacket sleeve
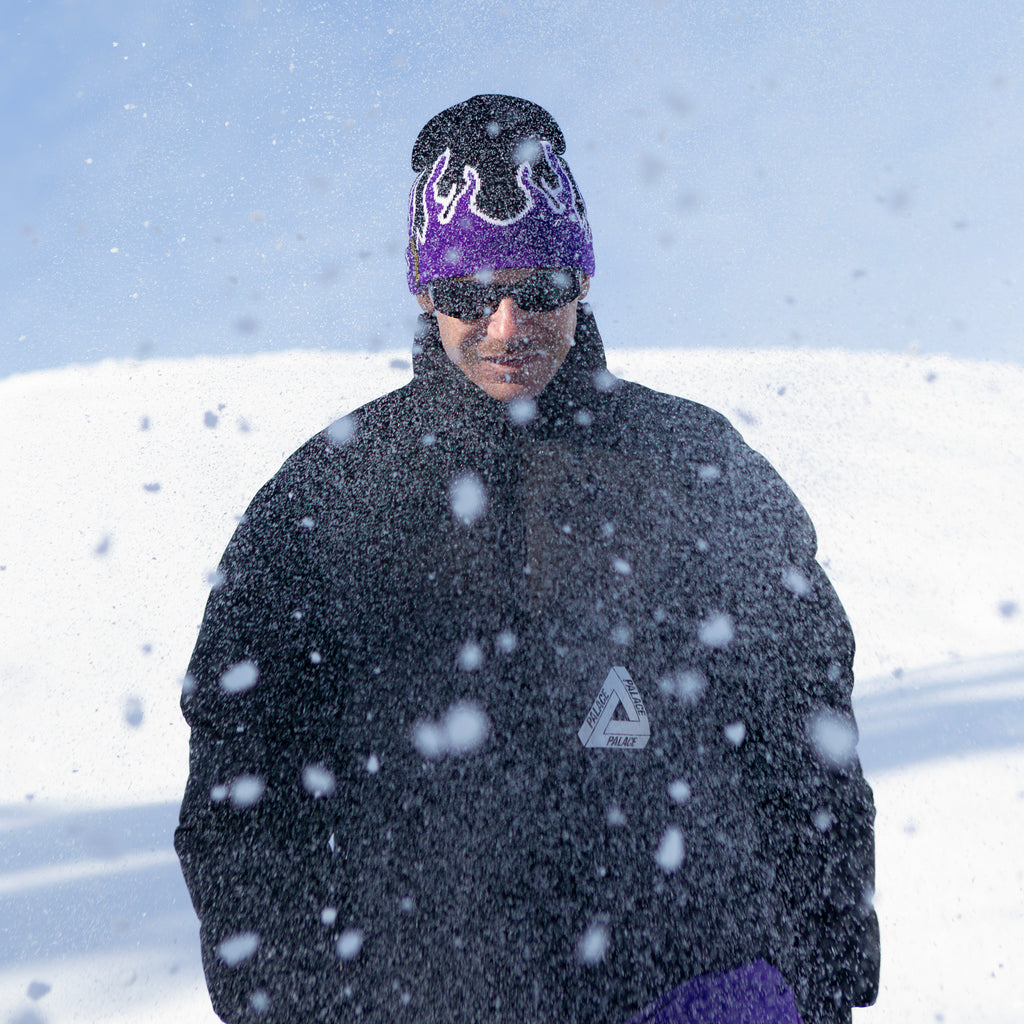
point(818, 807)
point(250, 836)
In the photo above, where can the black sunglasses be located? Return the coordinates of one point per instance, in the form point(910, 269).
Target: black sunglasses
point(541, 292)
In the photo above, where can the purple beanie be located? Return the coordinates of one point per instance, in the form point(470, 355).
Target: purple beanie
point(492, 192)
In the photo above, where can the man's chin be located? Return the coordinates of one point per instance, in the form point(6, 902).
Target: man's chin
point(509, 391)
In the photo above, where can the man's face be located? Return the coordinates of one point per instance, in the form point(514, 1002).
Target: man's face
point(511, 353)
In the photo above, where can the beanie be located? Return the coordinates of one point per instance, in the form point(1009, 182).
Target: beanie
point(493, 192)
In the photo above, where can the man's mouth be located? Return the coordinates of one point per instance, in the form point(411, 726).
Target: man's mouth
point(512, 360)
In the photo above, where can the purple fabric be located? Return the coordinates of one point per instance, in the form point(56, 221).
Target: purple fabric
point(452, 237)
point(753, 994)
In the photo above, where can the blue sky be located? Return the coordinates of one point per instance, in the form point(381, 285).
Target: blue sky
point(183, 177)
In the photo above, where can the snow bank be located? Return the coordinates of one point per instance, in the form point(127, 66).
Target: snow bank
point(122, 484)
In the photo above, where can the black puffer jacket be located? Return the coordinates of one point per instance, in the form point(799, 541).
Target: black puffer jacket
point(402, 804)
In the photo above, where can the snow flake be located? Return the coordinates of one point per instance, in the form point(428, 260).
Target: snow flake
point(505, 641)
point(246, 791)
point(621, 566)
point(468, 498)
point(614, 816)
point(373, 764)
point(834, 738)
point(593, 944)
point(342, 432)
point(210, 419)
point(686, 685)
point(471, 656)
point(317, 780)
point(794, 580)
point(238, 948)
point(621, 635)
point(605, 381)
point(467, 728)
point(716, 630)
point(219, 794)
point(463, 729)
point(671, 850)
point(239, 677)
point(527, 152)
point(259, 1001)
point(823, 819)
point(307, 522)
point(328, 916)
point(735, 733)
point(522, 411)
point(709, 473)
point(349, 944)
point(584, 418)
point(679, 791)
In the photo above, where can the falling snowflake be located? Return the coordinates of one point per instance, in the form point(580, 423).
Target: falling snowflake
point(522, 411)
point(471, 656)
point(317, 780)
point(796, 581)
point(679, 791)
point(687, 685)
point(834, 738)
point(671, 850)
point(736, 733)
point(342, 432)
point(246, 791)
point(350, 943)
point(239, 677)
point(463, 729)
point(717, 630)
point(468, 499)
point(593, 944)
point(238, 948)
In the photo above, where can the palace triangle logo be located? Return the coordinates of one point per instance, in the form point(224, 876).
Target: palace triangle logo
point(617, 718)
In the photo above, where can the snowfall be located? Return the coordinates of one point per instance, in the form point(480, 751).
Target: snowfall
point(122, 481)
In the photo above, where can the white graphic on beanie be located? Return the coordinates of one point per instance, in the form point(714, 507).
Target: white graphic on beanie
point(602, 729)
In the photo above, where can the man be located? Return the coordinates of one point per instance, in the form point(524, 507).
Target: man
point(522, 697)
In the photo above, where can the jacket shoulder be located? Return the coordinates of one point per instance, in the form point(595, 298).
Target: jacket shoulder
point(706, 437)
point(678, 419)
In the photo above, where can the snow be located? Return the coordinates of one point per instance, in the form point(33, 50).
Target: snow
point(593, 944)
point(463, 729)
point(671, 850)
point(468, 499)
point(118, 499)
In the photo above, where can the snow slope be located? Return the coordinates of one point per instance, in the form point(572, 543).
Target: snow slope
point(121, 484)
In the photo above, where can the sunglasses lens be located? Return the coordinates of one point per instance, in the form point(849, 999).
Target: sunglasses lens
point(547, 290)
point(465, 300)
point(539, 293)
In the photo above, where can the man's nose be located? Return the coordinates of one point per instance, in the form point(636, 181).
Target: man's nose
point(506, 320)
